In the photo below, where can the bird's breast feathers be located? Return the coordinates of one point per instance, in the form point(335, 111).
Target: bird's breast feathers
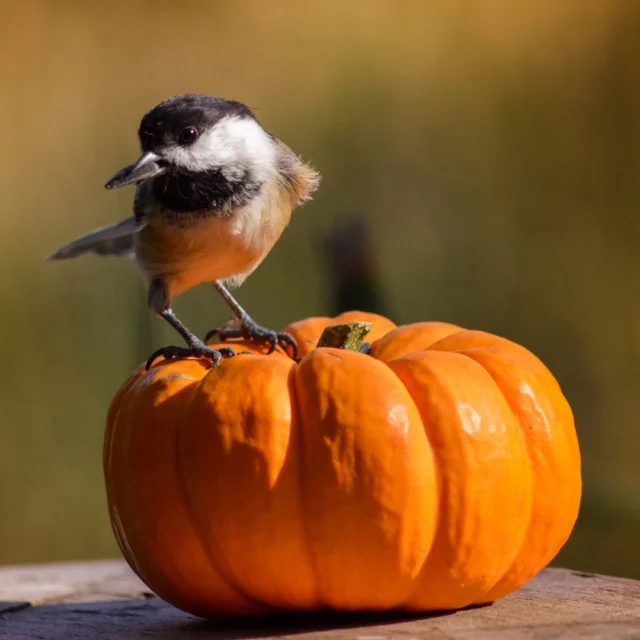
point(207, 247)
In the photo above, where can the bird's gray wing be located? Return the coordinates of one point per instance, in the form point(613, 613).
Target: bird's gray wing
point(113, 240)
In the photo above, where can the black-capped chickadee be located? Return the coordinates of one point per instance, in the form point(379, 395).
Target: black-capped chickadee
point(214, 192)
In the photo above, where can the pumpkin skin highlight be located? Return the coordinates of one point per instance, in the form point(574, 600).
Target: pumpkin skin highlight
point(439, 471)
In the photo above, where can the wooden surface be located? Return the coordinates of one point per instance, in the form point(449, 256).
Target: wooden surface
point(104, 600)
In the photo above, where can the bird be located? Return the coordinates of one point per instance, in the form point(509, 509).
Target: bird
point(214, 191)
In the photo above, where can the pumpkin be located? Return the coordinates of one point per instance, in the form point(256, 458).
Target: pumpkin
point(439, 470)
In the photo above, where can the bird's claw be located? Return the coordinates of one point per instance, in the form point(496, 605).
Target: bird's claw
point(194, 351)
point(214, 333)
point(249, 330)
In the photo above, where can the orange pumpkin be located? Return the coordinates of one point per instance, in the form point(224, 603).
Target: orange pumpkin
point(440, 470)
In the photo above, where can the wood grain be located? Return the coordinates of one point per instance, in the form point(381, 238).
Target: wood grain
point(69, 582)
point(104, 599)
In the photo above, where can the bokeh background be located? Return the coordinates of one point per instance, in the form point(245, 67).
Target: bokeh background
point(491, 149)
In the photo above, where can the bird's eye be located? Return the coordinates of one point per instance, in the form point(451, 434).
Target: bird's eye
point(188, 136)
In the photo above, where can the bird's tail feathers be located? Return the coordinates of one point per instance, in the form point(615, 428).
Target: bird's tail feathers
point(113, 240)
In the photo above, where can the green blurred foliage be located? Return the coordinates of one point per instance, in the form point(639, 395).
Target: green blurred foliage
point(494, 146)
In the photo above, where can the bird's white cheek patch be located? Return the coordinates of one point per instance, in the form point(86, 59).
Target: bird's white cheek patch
point(236, 146)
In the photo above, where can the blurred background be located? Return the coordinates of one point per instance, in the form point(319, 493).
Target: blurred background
point(484, 154)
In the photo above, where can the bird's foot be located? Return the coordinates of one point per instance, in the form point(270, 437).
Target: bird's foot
point(195, 350)
point(247, 329)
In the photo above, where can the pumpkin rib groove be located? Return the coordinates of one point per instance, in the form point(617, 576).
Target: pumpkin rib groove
point(439, 492)
point(297, 423)
point(438, 481)
point(439, 474)
point(217, 565)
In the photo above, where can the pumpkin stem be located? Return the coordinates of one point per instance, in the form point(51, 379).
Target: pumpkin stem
point(349, 335)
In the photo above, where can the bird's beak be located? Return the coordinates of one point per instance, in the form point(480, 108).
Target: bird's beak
point(148, 166)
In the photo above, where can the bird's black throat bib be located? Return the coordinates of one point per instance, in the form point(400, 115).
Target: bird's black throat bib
point(183, 191)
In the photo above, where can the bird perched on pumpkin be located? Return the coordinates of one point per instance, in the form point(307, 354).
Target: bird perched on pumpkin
point(214, 192)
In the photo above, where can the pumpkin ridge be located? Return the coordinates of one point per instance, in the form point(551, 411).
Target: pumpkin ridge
point(439, 491)
point(113, 413)
point(465, 353)
point(130, 406)
point(217, 565)
point(466, 587)
point(166, 584)
point(530, 365)
point(437, 465)
point(381, 343)
point(117, 425)
point(364, 527)
point(126, 439)
point(297, 423)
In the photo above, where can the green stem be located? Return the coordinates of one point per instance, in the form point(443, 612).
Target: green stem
point(349, 336)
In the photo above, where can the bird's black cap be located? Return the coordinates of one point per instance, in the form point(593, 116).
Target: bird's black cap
point(162, 124)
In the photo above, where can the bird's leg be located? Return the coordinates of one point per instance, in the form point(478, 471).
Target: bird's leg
point(159, 302)
point(248, 329)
